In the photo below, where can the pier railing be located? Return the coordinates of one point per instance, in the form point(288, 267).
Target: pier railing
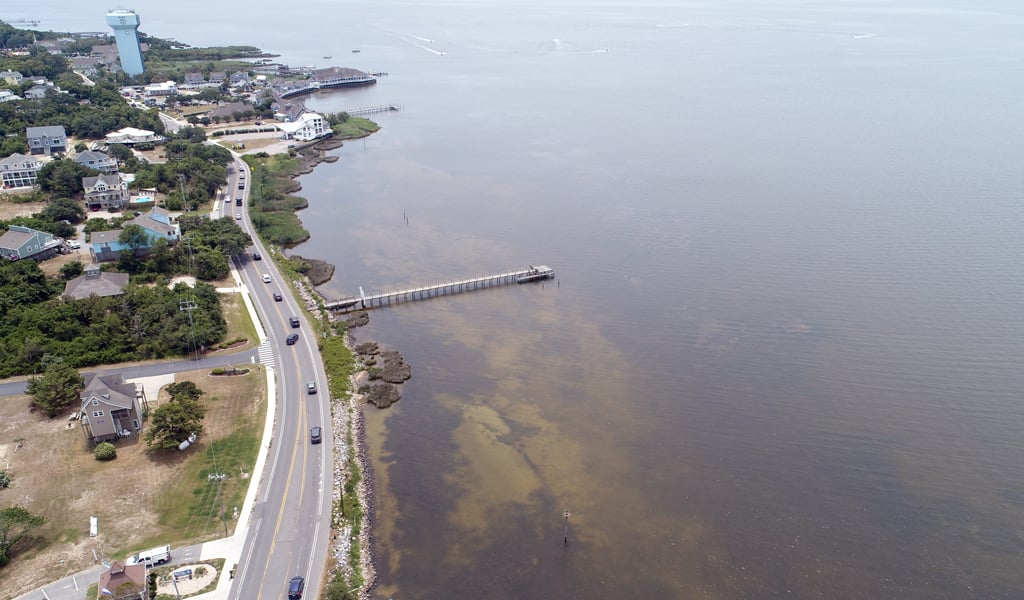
point(366, 301)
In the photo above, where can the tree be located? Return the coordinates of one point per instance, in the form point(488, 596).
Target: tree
point(63, 178)
point(15, 525)
point(184, 389)
point(119, 151)
point(135, 237)
point(56, 389)
point(71, 270)
point(63, 209)
point(175, 421)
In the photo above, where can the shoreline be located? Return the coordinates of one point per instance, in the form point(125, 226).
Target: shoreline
point(347, 419)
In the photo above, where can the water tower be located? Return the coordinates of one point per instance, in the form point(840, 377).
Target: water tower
point(125, 24)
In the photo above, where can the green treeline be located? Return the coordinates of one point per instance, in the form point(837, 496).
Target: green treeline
point(146, 322)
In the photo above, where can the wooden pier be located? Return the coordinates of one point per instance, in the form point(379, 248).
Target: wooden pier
point(369, 110)
point(364, 301)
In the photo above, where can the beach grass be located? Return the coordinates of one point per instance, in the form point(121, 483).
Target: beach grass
point(354, 127)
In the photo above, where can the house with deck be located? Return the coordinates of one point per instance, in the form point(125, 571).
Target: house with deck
point(105, 191)
point(12, 77)
point(123, 582)
point(19, 171)
point(157, 223)
point(307, 127)
point(24, 242)
point(111, 408)
point(97, 160)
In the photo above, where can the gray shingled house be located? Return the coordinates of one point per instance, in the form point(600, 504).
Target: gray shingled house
point(111, 408)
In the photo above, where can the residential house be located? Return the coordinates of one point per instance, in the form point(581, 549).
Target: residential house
point(105, 245)
point(105, 191)
point(95, 283)
point(229, 110)
point(18, 170)
point(217, 77)
point(38, 92)
point(309, 126)
point(11, 77)
point(47, 139)
point(54, 46)
point(85, 65)
point(238, 79)
point(131, 135)
point(193, 81)
point(97, 160)
point(157, 223)
point(288, 112)
point(9, 96)
point(111, 407)
point(123, 582)
point(24, 242)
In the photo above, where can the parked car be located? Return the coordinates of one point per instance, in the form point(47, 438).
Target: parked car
point(295, 587)
point(238, 216)
point(290, 340)
point(314, 435)
point(156, 556)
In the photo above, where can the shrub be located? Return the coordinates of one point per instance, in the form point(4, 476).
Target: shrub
point(5, 479)
point(217, 371)
point(105, 451)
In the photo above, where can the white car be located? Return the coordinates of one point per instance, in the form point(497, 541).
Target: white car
point(266, 278)
point(74, 244)
point(238, 216)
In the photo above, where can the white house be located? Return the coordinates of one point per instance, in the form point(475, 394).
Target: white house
point(131, 135)
point(166, 88)
point(306, 127)
point(8, 96)
point(18, 170)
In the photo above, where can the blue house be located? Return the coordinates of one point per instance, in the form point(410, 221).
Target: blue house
point(157, 223)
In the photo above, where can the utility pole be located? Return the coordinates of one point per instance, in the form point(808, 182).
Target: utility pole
point(181, 182)
point(219, 478)
point(188, 306)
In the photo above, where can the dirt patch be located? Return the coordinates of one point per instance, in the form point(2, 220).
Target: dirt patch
point(9, 210)
point(55, 475)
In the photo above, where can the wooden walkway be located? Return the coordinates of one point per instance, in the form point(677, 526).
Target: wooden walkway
point(365, 301)
point(369, 110)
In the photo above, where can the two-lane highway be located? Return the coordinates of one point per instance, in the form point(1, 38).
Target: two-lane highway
point(290, 527)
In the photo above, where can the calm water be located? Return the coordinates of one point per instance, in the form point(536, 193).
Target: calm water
point(783, 357)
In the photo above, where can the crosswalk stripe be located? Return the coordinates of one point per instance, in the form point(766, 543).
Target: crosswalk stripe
point(266, 355)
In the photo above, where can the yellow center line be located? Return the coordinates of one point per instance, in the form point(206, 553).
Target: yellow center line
point(287, 487)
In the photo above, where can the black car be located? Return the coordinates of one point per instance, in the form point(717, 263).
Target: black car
point(290, 340)
point(314, 435)
point(295, 587)
point(256, 256)
point(278, 297)
point(293, 321)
